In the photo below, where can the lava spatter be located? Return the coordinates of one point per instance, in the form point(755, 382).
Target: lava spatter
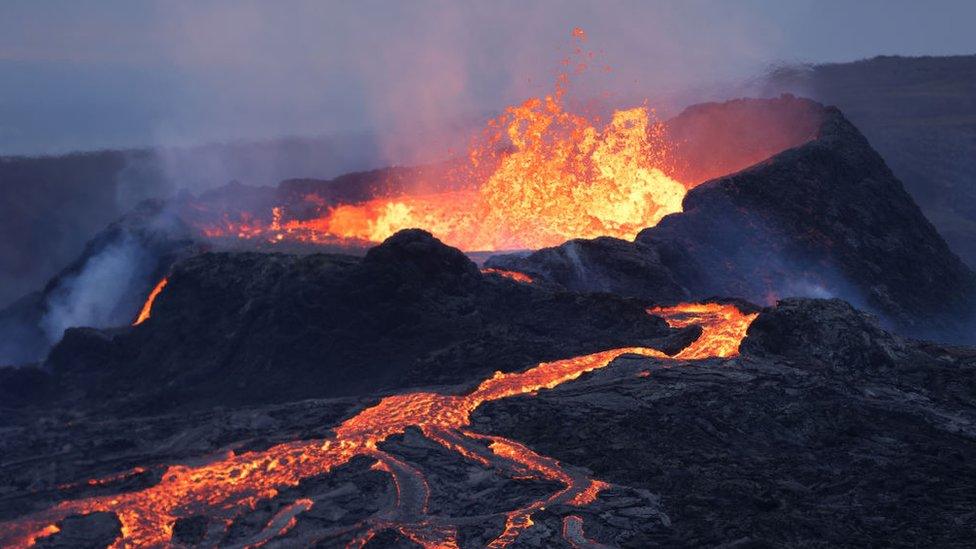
point(540, 175)
point(226, 488)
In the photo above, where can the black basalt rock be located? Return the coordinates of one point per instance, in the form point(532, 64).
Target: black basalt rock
point(825, 332)
point(91, 531)
point(239, 328)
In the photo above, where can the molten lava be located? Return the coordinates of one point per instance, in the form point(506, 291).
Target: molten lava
point(512, 275)
point(727, 327)
point(226, 488)
point(560, 176)
point(147, 306)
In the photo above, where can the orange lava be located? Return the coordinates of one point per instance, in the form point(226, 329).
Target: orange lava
point(147, 306)
point(542, 175)
point(106, 480)
point(514, 275)
point(232, 484)
point(727, 327)
point(48, 530)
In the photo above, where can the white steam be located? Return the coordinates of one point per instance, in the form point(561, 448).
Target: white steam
point(803, 288)
point(96, 295)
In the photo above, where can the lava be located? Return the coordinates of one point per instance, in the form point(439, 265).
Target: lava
point(541, 175)
point(512, 275)
point(726, 324)
point(147, 306)
point(230, 485)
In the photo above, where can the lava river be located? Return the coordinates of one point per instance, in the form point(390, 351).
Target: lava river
point(234, 484)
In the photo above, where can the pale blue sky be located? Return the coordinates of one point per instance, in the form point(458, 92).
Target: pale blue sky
point(85, 74)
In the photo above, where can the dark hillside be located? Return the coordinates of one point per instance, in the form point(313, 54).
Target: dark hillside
point(920, 114)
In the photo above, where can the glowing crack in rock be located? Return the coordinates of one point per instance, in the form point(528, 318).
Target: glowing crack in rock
point(512, 275)
point(234, 484)
point(147, 306)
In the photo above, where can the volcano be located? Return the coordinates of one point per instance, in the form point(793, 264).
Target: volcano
point(669, 363)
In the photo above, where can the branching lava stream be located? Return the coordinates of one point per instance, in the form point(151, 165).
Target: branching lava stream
point(228, 487)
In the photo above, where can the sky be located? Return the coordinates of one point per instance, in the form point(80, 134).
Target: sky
point(84, 75)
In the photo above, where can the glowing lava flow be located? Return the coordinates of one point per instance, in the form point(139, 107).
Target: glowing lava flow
point(147, 306)
point(513, 275)
point(726, 326)
point(228, 487)
point(560, 176)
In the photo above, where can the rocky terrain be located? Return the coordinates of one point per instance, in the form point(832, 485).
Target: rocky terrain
point(283, 327)
point(920, 114)
point(826, 430)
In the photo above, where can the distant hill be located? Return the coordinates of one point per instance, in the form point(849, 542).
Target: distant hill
point(920, 114)
point(50, 206)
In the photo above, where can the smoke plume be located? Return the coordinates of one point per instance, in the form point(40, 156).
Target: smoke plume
point(97, 295)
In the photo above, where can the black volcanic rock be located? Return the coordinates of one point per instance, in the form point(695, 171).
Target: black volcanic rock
point(412, 258)
point(92, 531)
point(247, 327)
point(190, 530)
point(828, 332)
point(600, 265)
point(825, 431)
point(825, 218)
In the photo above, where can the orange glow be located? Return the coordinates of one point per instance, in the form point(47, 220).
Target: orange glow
point(147, 306)
point(232, 484)
point(559, 176)
point(107, 480)
point(514, 275)
point(48, 530)
point(724, 327)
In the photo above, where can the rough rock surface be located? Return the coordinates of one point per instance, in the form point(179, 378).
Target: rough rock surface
point(919, 113)
point(91, 531)
point(246, 328)
point(824, 218)
point(826, 431)
point(602, 264)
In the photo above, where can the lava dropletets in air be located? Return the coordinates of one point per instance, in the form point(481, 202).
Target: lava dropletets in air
point(228, 487)
point(540, 176)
